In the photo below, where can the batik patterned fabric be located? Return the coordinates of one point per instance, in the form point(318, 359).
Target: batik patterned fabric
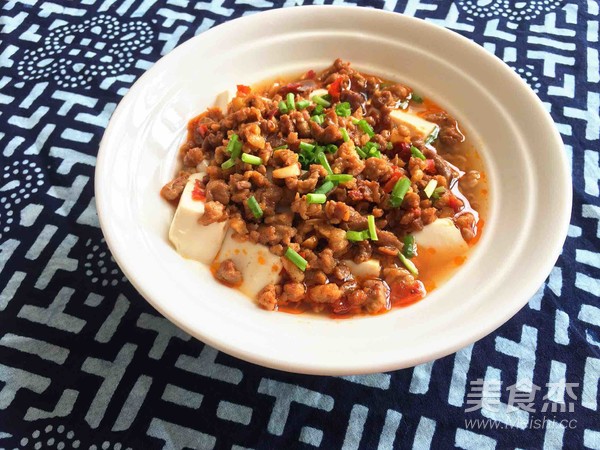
point(86, 363)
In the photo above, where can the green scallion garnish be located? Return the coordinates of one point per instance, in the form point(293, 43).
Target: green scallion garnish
point(331, 148)
point(360, 152)
point(416, 98)
point(281, 147)
point(433, 136)
point(357, 236)
point(302, 104)
point(325, 188)
point(371, 150)
point(438, 192)
point(316, 198)
point(319, 118)
point(399, 191)
point(318, 109)
point(321, 101)
point(372, 227)
point(323, 161)
point(364, 125)
point(251, 159)
point(339, 178)
point(345, 134)
point(295, 258)
point(290, 102)
point(306, 147)
point(343, 109)
point(417, 153)
point(283, 109)
point(228, 164)
point(254, 207)
point(430, 188)
point(232, 141)
point(410, 246)
point(408, 264)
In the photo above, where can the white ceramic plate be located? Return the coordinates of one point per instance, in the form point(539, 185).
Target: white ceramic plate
point(529, 183)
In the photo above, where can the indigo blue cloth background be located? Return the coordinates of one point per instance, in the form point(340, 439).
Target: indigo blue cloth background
point(86, 363)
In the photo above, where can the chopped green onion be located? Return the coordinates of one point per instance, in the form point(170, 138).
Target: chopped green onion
point(410, 246)
point(325, 188)
point(321, 101)
point(283, 109)
point(416, 98)
point(255, 207)
point(372, 227)
point(345, 134)
point(290, 102)
point(433, 136)
point(371, 149)
point(323, 160)
point(417, 153)
point(343, 109)
point(438, 192)
point(331, 148)
point(318, 109)
point(364, 125)
point(357, 236)
point(399, 191)
point(251, 159)
point(360, 152)
point(237, 150)
point(295, 258)
point(306, 147)
point(302, 104)
point(430, 188)
point(408, 264)
point(339, 178)
point(281, 147)
point(320, 118)
point(316, 198)
point(228, 164)
point(232, 141)
point(355, 121)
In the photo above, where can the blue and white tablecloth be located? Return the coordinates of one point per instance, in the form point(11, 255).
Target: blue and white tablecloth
point(86, 363)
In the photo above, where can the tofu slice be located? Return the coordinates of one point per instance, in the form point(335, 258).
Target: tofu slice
point(419, 127)
point(190, 238)
point(223, 99)
point(367, 269)
point(443, 237)
point(257, 264)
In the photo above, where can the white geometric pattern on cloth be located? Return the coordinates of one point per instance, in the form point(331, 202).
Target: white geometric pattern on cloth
point(85, 363)
point(75, 55)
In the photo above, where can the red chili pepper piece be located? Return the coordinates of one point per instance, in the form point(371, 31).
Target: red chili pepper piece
point(198, 193)
point(430, 166)
point(335, 89)
point(202, 129)
point(311, 74)
point(454, 203)
point(389, 185)
point(243, 90)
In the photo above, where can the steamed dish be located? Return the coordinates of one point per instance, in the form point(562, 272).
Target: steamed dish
point(335, 192)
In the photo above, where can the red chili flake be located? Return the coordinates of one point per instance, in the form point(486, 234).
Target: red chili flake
point(311, 74)
point(430, 166)
point(404, 295)
point(202, 129)
point(335, 88)
point(455, 203)
point(389, 185)
point(198, 193)
point(243, 90)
